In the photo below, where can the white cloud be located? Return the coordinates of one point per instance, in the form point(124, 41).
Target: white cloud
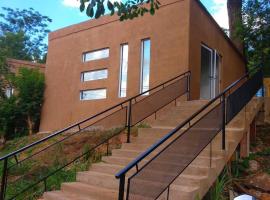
point(71, 3)
point(220, 13)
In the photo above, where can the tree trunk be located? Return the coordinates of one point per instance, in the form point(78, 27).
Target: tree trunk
point(2, 141)
point(30, 125)
point(235, 19)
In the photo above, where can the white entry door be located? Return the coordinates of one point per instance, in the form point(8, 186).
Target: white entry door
point(210, 67)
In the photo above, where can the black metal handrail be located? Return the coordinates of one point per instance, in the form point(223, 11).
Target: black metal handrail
point(125, 107)
point(92, 117)
point(222, 96)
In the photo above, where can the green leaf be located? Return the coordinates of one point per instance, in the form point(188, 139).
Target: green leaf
point(110, 5)
point(82, 7)
point(152, 11)
point(90, 11)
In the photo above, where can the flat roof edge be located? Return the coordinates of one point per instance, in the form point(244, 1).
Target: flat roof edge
point(221, 30)
point(25, 62)
point(93, 23)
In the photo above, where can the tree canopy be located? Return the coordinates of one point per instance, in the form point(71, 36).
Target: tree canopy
point(23, 33)
point(22, 36)
point(128, 9)
point(255, 33)
point(20, 114)
point(30, 85)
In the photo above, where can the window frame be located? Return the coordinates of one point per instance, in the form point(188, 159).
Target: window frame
point(142, 64)
point(93, 71)
point(121, 70)
point(93, 51)
point(9, 92)
point(95, 99)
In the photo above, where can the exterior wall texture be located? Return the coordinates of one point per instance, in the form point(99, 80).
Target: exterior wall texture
point(168, 31)
point(204, 30)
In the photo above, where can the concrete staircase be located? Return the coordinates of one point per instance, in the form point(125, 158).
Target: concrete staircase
point(99, 183)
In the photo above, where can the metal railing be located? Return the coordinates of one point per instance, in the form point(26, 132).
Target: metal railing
point(102, 128)
point(155, 176)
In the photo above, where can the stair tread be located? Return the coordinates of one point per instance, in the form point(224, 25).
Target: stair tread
point(91, 191)
point(59, 195)
point(190, 176)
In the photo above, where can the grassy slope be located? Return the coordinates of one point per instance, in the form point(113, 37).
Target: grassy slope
point(44, 163)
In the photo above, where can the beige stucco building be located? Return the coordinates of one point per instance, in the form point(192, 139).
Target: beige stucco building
point(98, 63)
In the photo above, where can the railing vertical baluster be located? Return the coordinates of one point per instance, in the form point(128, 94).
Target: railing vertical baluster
point(137, 167)
point(108, 147)
point(121, 187)
point(210, 154)
point(45, 185)
point(168, 193)
point(223, 122)
point(188, 86)
point(128, 187)
point(129, 120)
point(4, 180)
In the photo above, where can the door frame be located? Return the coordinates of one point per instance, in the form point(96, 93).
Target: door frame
point(213, 70)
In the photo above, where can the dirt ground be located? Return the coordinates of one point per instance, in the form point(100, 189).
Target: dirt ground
point(255, 179)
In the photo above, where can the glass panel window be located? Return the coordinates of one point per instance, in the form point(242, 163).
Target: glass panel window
point(93, 94)
point(96, 55)
point(123, 71)
point(9, 92)
point(94, 75)
point(145, 65)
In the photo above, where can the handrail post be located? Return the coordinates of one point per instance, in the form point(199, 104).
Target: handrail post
point(129, 121)
point(4, 180)
point(121, 187)
point(263, 91)
point(223, 99)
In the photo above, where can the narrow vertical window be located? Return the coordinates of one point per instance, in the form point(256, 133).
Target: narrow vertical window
point(123, 70)
point(145, 65)
point(9, 92)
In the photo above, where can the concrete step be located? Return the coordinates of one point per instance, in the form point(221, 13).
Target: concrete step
point(110, 168)
point(59, 195)
point(98, 179)
point(183, 192)
point(89, 191)
point(55, 195)
point(192, 103)
point(126, 153)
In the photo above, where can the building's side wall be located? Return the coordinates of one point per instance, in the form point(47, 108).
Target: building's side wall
point(204, 30)
point(168, 31)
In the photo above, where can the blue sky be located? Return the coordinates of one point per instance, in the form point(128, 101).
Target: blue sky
point(65, 12)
